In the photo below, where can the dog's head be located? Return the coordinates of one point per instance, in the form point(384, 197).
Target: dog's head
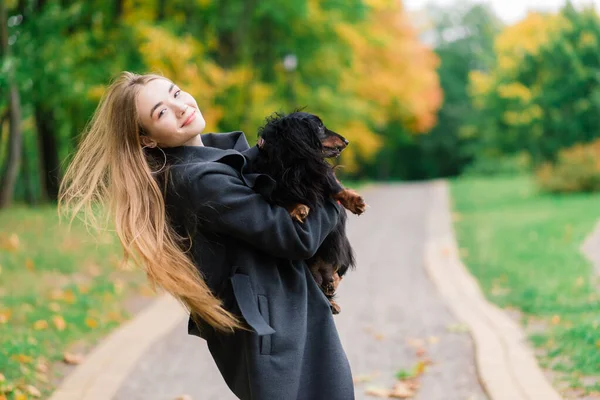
point(302, 134)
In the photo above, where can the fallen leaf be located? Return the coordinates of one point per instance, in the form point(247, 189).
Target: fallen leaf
point(32, 390)
point(556, 319)
point(415, 343)
point(433, 339)
point(40, 325)
point(19, 395)
point(42, 366)
point(401, 391)
point(59, 322)
point(91, 323)
point(22, 358)
point(377, 392)
point(5, 316)
point(72, 359)
point(12, 243)
point(419, 369)
point(68, 296)
point(29, 264)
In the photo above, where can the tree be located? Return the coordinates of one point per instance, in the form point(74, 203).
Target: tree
point(8, 178)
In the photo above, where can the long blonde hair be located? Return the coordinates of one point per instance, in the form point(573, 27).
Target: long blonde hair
point(109, 172)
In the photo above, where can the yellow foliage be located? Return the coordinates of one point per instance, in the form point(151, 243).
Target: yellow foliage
point(181, 58)
point(525, 37)
point(577, 169)
point(362, 140)
point(390, 66)
point(515, 90)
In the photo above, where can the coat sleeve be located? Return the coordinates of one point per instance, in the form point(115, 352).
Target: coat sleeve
point(223, 203)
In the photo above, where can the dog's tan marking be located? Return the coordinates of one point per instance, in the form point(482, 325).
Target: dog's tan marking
point(299, 212)
point(351, 201)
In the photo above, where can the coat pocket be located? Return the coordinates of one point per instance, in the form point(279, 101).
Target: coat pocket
point(265, 340)
point(249, 305)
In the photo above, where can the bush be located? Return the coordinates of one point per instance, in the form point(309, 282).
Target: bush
point(577, 169)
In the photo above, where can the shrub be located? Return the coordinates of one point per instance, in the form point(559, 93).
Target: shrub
point(577, 169)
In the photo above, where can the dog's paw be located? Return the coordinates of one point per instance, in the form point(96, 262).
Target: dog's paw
point(352, 201)
point(300, 212)
point(335, 308)
point(328, 288)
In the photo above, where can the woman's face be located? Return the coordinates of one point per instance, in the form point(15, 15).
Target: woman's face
point(169, 115)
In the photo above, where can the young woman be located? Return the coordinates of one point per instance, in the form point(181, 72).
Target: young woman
point(186, 210)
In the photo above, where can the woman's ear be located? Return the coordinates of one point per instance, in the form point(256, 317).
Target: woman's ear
point(147, 142)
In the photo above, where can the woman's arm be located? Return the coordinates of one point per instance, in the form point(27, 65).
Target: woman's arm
point(223, 203)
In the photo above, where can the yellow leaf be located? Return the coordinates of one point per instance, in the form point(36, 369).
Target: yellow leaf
point(91, 323)
point(22, 358)
point(59, 322)
point(20, 396)
point(556, 319)
point(29, 264)
point(40, 325)
point(12, 243)
point(69, 296)
point(5, 316)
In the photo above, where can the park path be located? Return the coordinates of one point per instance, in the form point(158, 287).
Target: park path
point(392, 317)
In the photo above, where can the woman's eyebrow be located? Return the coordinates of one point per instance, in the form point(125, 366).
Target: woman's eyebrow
point(160, 102)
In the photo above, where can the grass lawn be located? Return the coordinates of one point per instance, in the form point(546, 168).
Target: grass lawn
point(60, 291)
point(524, 248)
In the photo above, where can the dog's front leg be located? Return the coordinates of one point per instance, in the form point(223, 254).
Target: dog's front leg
point(299, 212)
point(351, 201)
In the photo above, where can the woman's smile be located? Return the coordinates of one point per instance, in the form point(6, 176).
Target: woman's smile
point(190, 118)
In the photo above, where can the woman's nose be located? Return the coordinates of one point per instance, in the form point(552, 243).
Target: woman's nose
point(181, 109)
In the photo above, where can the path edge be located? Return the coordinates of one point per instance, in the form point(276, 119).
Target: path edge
point(507, 367)
point(108, 364)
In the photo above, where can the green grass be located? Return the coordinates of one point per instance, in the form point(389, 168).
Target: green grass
point(60, 291)
point(524, 248)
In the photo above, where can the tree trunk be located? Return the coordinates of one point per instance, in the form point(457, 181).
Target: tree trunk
point(48, 151)
point(8, 179)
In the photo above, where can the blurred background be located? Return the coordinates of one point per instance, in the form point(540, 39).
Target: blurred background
point(503, 97)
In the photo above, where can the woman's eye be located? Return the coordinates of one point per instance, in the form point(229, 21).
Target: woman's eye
point(160, 114)
point(177, 93)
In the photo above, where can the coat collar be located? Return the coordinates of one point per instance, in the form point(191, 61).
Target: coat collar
point(227, 148)
point(216, 147)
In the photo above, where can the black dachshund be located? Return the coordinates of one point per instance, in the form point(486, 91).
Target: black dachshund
point(293, 151)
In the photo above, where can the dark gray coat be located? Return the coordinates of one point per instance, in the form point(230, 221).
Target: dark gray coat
point(251, 254)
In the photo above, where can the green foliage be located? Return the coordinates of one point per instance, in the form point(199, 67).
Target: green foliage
point(524, 248)
point(577, 169)
point(543, 94)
